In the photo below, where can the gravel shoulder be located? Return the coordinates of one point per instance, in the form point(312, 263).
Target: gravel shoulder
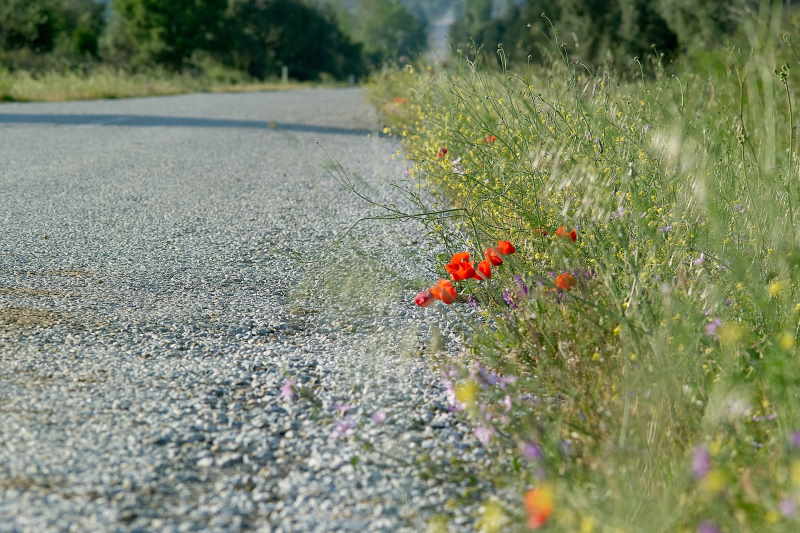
point(166, 265)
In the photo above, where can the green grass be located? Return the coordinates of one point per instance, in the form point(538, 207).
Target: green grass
point(679, 338)
point(106, 82)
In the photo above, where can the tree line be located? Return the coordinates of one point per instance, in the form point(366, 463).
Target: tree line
point(595, 31)
point(313, 38)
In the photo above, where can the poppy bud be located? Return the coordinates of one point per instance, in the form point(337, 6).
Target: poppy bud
point(424, 298)
point(563, 233)
point(565, 281)
point(444, 291)
point(484, 270)
point(505, 247)
point(493, 257)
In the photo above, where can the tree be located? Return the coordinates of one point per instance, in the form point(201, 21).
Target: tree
point(254, 36)
point(600, 30)
point(70, 27)
point(389, 31)
point(265, 35)
point(165, 32)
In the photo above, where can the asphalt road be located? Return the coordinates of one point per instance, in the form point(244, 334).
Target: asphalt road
point(168, 268)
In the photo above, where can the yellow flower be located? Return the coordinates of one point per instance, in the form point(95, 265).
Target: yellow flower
point(795, 472)
point(786, 340)
point(714, 482)
point(437, 524)
point(776, 287)
point(493, 519)
point(466, 393)
point(730, 333)
point(617, 330)
point(588, 524)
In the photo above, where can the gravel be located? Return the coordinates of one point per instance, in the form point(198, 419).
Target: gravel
point(166, 265)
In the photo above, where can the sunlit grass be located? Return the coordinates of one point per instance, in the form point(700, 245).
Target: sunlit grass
point(101, 83)
point(678, 339)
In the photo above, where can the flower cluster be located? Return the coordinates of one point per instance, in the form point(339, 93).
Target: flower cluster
point(461, 267)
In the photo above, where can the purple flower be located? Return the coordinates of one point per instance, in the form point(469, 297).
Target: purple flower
point(794, 440)
point(508, 299)
point(483, 434)
point(342, 428)
point(701, 462)
point(531, 451)
point(523, 289)
point(711, 327)
point(708, 527)
point(379, 417)
point(665, 229)
point(342, 408)
point(287, 390)
point(765, 418)
point(700, 260)
point(566, 447)
point(450, 392)
point(487, 376)
point(473, 302)
point(788, 507)
point(739, 208)
point(619, 213)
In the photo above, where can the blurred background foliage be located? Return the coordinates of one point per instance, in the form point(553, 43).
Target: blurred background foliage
point(344, 39)
point(315, 39)
point(594, 31)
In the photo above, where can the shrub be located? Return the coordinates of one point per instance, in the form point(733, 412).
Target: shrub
point(67, 28)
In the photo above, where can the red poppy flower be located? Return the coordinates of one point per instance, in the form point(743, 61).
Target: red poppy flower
point(444, 291)
point(460, 267)
point(460, 257)
point(484, 270)
point(489, 139)
point(505, 247)
point(442, 152)
point(424, 298)
point(564, 234)
point(460, 271)
point(565, 281)
point(493, 257)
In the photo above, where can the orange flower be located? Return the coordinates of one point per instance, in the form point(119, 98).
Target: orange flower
point(564, 234)
point(539, 506)
point(489, 139)
point(444, 291)
point(505, 247)
point(565, 281)
point(424, 298)
point(400, 100)
point(442, 152)
point(484, 270)
point(493, 257)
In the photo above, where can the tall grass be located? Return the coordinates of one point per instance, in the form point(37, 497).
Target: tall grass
point(107, 82)
point(661, 393)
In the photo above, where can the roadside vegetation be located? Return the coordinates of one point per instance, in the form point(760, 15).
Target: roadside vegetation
point(631, 293)
point(66, 49)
